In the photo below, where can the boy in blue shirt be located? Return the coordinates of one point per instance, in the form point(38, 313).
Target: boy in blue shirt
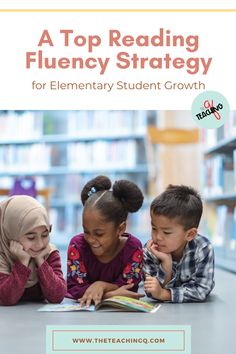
point(178, 262)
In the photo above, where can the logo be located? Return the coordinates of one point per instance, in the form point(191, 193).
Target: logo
point(210, 109)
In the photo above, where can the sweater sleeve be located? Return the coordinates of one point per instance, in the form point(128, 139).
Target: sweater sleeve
point(12, 286)
point(51, 278)
point(132, 271)
point(77, 276)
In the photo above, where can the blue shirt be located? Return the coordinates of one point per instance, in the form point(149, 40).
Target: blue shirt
point(192, 277)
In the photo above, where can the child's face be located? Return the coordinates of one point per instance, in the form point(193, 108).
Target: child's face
point(168, 235)
point(102, 236)
point(35, 241)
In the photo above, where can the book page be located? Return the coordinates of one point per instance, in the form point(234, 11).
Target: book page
point(67, 305)
point(129, 304)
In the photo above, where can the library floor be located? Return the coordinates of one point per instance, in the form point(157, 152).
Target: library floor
point(22, 329)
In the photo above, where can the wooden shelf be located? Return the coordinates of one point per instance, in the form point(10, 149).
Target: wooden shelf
point(173, 136)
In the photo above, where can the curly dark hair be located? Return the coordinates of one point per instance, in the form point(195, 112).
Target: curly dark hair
point(125, 197)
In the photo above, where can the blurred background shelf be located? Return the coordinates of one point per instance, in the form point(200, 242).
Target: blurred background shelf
point(219, 190)
point(62, 150)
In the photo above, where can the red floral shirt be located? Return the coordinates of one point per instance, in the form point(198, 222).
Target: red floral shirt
point(84, 268)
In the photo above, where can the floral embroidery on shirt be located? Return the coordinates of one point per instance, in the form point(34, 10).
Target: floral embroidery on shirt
point(133, 270)
point(138, 256)
point(76, 266)
point(73, 253)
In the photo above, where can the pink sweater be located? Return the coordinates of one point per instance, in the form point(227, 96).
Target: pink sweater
point(51, 285)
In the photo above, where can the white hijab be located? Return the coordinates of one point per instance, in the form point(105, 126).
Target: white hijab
point(18, 216)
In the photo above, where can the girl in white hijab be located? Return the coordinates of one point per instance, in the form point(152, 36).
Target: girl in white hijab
point(30, 267)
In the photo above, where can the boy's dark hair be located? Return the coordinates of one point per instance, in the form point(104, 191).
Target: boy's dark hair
point(114, 204)
point(181, 202)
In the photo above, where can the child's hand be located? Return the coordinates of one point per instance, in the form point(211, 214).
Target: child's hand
point(164, 258)
point(40, 258)
point(93, 294)
point(124, 291)
point(153, 287)
point(19, 253)
point(153, 248)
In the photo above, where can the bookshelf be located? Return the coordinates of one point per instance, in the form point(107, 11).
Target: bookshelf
point(177, 145)
point(62, 150)
point(219, 182)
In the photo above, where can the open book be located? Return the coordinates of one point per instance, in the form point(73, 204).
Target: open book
point(122, 303)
